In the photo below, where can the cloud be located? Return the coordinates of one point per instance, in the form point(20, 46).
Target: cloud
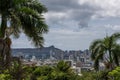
point(62, 11)
point(74, 24)
point(106, 8)
point(80, 11)
point(60, 5)
point(113, 27)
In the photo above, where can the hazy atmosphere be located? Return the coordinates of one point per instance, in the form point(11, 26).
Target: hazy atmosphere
point(59, 39)
point(73, 24)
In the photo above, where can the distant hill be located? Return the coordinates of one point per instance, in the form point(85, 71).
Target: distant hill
point(38, 52)
point(47, 52)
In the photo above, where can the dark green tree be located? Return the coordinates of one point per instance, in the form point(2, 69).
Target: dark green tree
point(21, 16)
point(63, 71)
point(42, 73)
point(106, 50)
point(17, 70)
point(114, 74)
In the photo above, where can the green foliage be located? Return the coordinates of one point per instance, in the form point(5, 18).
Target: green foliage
point(61, 71)
point(88, 76)
point(106, 46)
point(93, 75)
point(42, 72)
point(5, 77)
point(115, 74)
point(102, 75)
point(23, 16)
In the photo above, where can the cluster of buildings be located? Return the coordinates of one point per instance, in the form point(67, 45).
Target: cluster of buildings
point(78, 60)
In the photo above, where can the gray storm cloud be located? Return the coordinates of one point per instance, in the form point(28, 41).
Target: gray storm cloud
point(74, 24)
point(79, 13)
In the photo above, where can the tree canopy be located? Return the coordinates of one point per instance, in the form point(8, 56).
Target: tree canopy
point(106, 50)
point(23, 16)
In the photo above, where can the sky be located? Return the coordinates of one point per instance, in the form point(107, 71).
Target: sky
point(74, 24)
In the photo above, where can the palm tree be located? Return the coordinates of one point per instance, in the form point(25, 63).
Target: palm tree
point(107, 50)
point(63, 71)
point(22, 16)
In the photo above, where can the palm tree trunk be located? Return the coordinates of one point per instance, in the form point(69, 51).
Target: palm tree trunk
point(5, 55)
point(3, 26)
point(111, 60)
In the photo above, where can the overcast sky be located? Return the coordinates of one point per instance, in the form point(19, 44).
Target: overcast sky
point(74, 24)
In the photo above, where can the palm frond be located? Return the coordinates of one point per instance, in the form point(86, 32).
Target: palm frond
point(34, 36)
point(15, 25)
point(116, 36)
point(95, 52)
point(36, 5)
point(106, 46)
point(98, 57)
point(95, 43)
point(116, 54)
point(94, 48)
